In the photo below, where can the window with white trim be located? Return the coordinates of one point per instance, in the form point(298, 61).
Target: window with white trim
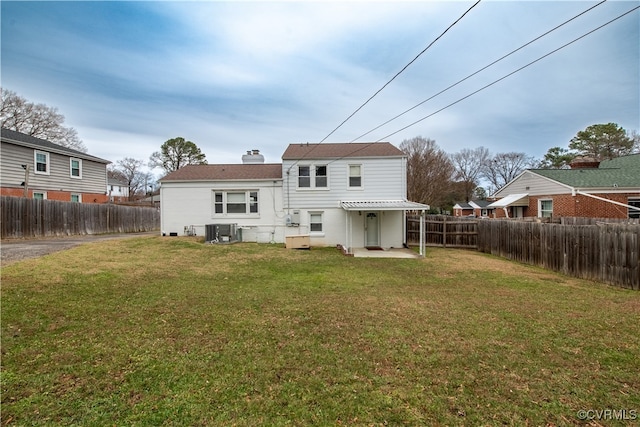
point(242, 202)
point(545, 208)
point(635, 202)
point(313, 176)
point(315, 222)
point(75, 168)
point(41, 195)
point(321, 176)
point(41, 160)
point(304, 176)
point(355, 176)
point(76, 198)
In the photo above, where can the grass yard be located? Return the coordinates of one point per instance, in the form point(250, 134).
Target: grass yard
point(169, 331)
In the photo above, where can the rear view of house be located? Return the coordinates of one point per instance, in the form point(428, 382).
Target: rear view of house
point(347, 195)
point(352, 195)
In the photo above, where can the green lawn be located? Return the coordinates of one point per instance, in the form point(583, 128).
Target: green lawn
point(170, 331)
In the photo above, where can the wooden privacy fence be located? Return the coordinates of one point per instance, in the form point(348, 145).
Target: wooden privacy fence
point(607, 252)
point(596, 249)
point(23, 217)
point(445, 231)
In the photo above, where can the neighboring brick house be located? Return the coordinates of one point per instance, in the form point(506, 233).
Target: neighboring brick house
point(607, 189)
point(36, 168)
point(474, 208)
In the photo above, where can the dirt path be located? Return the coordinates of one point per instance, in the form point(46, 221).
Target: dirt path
point(14, 250)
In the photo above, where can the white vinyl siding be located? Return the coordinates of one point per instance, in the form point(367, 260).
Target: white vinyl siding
point(386, 182)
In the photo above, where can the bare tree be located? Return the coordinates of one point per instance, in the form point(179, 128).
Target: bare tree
point(129, 170)
point(429, 171)
point(469, 164)
point(504, 167)
point(37, 120)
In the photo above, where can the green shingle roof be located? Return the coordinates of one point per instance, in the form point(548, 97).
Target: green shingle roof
point(621, 172)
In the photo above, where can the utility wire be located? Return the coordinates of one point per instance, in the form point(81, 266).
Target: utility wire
point(510, 74)
point(477, 72)
point(491, 84)
point(399, 72)
point(386, 84)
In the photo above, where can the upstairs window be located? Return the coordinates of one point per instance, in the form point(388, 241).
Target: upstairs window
point(41, 159)
point(313, 176)
point(76, 168)
point(304, 176)
point(355, 176)
point(321, 176)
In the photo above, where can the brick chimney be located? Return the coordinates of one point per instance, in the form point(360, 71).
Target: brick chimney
point(584, 162)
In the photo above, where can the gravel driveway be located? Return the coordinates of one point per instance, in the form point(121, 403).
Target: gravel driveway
point(13, 250)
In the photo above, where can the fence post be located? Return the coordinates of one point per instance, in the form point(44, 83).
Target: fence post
point(444, 232)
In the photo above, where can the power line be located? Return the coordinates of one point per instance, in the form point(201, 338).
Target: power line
point(386, 84)
point(510, 74)
point(477, 72)
point(400, 72)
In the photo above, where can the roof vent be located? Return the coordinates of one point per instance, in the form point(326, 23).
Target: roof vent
point(252, 157)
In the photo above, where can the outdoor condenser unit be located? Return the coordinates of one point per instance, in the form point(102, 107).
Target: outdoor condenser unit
point(221, 233)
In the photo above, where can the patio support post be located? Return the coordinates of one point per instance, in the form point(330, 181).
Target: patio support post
point(422, 242)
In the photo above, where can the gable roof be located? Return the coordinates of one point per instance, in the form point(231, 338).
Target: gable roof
point(24, 140)
point(622, 172)
point(340, 150)
point(228, 172)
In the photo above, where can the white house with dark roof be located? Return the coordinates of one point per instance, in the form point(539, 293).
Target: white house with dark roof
point(348, 195)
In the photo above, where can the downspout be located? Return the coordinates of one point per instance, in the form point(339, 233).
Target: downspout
point(506, 211)
point(607, 200)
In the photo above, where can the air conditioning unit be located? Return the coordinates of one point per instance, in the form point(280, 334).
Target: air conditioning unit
point(221, 233)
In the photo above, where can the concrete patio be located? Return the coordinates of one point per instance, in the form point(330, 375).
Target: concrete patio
point(386, 253)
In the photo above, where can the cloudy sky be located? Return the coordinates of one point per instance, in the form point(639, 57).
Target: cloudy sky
point(236, 76)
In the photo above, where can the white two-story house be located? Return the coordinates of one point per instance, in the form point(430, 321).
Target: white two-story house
point(346, 195)
point(352, 195)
